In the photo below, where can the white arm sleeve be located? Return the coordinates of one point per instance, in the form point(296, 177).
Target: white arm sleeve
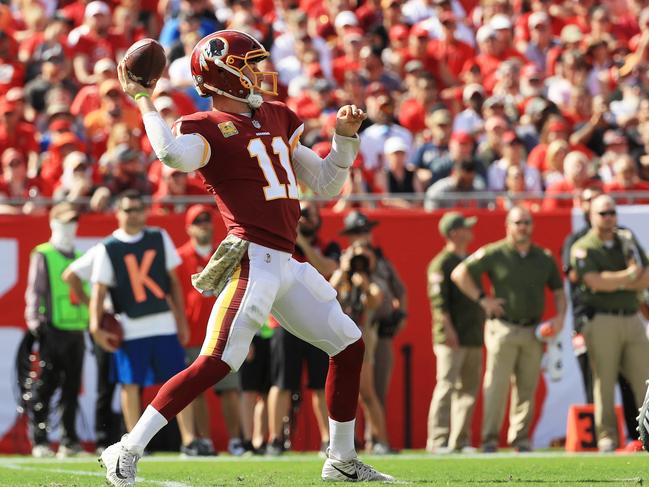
point(326, 176)
point(187, 152)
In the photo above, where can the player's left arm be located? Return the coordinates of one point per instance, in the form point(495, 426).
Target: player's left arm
point(327, 176)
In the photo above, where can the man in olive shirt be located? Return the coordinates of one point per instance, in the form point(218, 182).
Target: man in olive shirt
point(612, 269)
point(458, 339)
point(519, 271)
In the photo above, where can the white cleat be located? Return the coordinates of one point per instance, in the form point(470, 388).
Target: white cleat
point(42, 451)
point(643, 421)
point(120, 464)
point(352, 470)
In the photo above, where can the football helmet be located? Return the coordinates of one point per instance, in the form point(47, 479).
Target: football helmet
point(223, 63)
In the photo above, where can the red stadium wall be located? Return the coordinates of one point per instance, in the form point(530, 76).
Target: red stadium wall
point(409, 238)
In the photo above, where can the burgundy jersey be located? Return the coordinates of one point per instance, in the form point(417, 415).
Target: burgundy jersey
point(250, 171)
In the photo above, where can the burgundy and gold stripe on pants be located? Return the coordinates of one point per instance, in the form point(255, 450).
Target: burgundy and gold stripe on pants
point(228, 304)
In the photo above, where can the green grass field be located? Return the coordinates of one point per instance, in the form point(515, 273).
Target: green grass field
point(303, 470)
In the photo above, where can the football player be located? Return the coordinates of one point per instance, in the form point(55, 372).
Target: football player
point(249, 156)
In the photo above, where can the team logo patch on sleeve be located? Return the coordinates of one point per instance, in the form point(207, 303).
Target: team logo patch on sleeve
point(228, 129)
point(579, 253)
point(436, 277)
point(477, 255)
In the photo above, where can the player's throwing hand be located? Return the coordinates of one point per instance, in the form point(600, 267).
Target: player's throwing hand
point(349, 119)
point(130, 87)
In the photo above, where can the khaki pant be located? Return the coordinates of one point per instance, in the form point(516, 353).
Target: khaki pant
point(615, 344)
point(451, 407)
point(513, 356)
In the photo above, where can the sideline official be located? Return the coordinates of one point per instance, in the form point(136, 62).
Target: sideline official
point(519, 272)
point(612, 269)
point(458, 338)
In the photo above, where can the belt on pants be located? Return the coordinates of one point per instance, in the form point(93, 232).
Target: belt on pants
point(527, 322)
point(616, 312)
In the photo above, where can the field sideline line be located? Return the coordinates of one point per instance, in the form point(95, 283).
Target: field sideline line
point(309, 457)
point(11, 466)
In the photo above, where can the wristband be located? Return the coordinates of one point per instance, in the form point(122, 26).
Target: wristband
point(482, 295)
point(142, 94)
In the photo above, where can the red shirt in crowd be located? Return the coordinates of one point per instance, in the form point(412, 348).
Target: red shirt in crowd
point(616, 187)
point(96, 48)
point(454, 54)
point(23, 139)
point(197, 306)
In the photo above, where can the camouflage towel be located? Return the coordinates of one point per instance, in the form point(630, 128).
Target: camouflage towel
point(211, 280)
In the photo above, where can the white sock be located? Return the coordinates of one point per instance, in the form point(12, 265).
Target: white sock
point(341, 443)
point(146, 428)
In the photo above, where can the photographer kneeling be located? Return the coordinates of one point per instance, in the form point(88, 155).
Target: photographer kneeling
point(360, 295)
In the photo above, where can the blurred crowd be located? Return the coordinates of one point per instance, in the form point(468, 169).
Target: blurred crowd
point(525, 98)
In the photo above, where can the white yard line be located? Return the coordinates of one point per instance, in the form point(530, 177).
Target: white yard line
point(12, 466)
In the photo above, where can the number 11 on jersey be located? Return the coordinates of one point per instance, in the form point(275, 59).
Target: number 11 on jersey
point(275, 189)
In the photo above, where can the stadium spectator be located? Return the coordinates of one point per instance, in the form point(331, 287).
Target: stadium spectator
point(470, 119)
point(563, 193)
point(114, 109)
point(490, 149)
point(52, 161)
point(519, 272)
point(420, 99)
point(173, 183)
point(15, 72)
point(591, 132)
point(88, 99)
point(170, 32)
point(289, 353)
point(195, 255)
point(54, 73)
point(51, 38)
point(553, 164)
point(179, 70)
point(458, 332)
point(76, 184)
point(517, 192)
point(58, 321)
point(14, 183)
point(380, 111)
point(431, 158)
point(136, 266)
point(541, 40)
point(617, 146)
point(93, 40)
point(611, 269)
point(449, 192)
point(448, 49)
point(398, 176)
point(16, 133)
point(513, 155)
point(625, 179)
point(126, 171)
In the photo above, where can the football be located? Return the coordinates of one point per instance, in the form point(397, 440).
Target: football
point(111, 325)
point(145, 61)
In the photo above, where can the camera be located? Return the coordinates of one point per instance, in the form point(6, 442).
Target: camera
point(360, 263)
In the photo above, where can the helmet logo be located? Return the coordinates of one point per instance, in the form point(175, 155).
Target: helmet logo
point(213, 50)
